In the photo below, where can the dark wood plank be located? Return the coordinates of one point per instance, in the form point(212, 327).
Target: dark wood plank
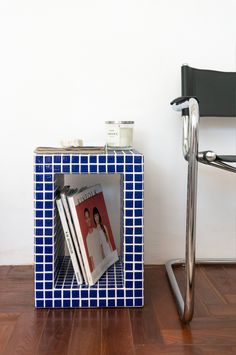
point(154, 329)
point(18, 301)
point(199, 336)
point(154, 349)
point(4, 269)
point(56, 335)
point(162, 298)
point(6, 331)
point(200, 309)
point(116, 332)
point(27, 332)
point(86, 332)
point(230, 298)
point(221, 280)
point(225, 310)
point(7, 325)
point(144, 323)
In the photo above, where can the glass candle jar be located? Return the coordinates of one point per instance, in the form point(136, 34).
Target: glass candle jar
point(119, 134)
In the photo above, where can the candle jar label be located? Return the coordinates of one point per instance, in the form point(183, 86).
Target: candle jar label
point(120, 134)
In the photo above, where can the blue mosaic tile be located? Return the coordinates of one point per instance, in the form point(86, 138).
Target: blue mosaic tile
point(58, 303)
point(39, 231)
point(138, 257)
point(48, 187)
point(102, 168)
point(93, 159)
point(111, 168)
point(38, 159)
point(93, 168)
point(129, 256)
point(102, 159)
point(39, 258)
point(48, 258)
point(111, 159)
point(48, 159)
point(39, 187)
point(48, 285)
point(48, 294)
point(48, 214)
point(84, 168)
point(120, 302)
point(138, 159)
point(138, 249)
point(39, 285)
point(129, 159)
point(48, 168)
point(75, 159)
point(102, 303)
point(39, 223)
point(39, 168)
point(55, 283)
point(102, 293)
point(84, 303)
point(48, 232)
point(48, 177)
point(39, 196)
point(84, 160)
point(38, 177)
point(75, 168)
point(75, 294)
point(129, 168)
point(39, 303)
point(66, 159)
point(48, 223)
point(120, 168)
point(75, 303)
point(39, 294)
point(38, 250)
point(48, 205)
point(57, 159)
point(57, 294)
point(66, 168)
point(120, 159)
point(138, 204)
point(57, 168)
point(39, 276)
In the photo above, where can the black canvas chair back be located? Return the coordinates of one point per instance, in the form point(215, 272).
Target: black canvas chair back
point(204, 93)
point(215, 90)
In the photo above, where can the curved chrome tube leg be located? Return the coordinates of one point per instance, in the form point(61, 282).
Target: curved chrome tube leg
point(190, 150)
point(174, 284)
point(186, 307)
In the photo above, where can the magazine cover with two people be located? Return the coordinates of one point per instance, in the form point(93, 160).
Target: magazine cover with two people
point(94, 232)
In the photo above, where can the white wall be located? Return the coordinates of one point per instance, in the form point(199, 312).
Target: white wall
point(67, 66)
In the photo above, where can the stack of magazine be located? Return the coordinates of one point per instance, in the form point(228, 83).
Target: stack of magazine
point(87, 232)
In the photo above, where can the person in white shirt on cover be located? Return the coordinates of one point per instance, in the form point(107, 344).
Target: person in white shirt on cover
point(103, 232)
point(94, 244)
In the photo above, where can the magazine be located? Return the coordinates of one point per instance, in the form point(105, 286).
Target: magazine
point(69, 241)
point(93, 229)
point(72, 230)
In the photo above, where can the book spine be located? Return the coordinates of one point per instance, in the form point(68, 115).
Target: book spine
point(69, 242)
point(71, 203)
point(73, 235)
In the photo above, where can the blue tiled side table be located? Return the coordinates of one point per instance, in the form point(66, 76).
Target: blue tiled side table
point(55, 284)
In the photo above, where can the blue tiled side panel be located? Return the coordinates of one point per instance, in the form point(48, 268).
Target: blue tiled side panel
point(55, 284)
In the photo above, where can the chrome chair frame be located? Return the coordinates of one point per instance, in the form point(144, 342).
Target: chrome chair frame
point(193, 156)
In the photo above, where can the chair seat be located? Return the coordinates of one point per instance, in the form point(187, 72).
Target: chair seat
point(226, 158)
point(209, 156)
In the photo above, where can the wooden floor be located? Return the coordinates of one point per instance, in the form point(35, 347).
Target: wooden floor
point(154, 329)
